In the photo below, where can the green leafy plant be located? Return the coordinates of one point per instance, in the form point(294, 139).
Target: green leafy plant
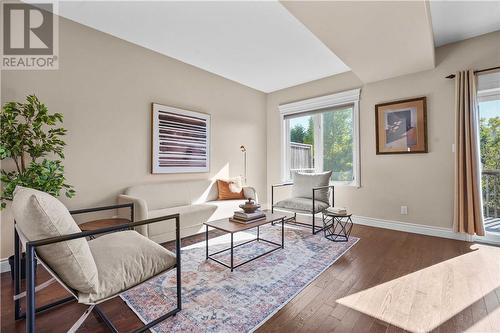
point(28, 134)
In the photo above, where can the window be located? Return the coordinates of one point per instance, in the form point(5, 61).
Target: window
point(321, 134)
point(489, 135)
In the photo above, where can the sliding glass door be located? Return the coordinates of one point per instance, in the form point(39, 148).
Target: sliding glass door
point(489, 129)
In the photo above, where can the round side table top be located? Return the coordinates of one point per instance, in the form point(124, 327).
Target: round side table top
point(327, 213)
point(103, 223)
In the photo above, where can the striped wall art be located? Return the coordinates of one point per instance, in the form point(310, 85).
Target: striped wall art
point(180, 140)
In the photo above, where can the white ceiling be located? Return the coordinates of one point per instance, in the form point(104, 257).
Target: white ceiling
point(453, 21)
point(268, 45)
point(376, 39)
point(258, 44)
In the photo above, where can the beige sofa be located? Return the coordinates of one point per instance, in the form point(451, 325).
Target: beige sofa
point(195, 201)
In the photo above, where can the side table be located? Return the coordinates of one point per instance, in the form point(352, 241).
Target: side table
point(103, 223)
point(337, 227)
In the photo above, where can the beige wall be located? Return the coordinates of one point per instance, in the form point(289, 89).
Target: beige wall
point(105, 87)
point(423, 182)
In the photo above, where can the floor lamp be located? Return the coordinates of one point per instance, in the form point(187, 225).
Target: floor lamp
point(244, 151)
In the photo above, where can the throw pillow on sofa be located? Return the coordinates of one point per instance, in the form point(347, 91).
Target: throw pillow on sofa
point(230, 189)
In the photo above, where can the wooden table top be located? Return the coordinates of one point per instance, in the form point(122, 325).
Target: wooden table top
point(232, 227)
point(103, 223)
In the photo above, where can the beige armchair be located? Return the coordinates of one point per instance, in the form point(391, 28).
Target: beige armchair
point(310, 196)
point(91, 271)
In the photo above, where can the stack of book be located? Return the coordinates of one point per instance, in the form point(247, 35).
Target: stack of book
point(242, 217)
point(337, 210)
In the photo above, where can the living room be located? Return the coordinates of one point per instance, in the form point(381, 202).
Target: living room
point(306, 166)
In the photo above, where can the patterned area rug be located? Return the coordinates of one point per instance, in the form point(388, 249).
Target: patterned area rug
point(218, 300)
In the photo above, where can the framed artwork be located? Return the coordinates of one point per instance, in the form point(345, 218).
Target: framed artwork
point(180, 140)
point(401, 126)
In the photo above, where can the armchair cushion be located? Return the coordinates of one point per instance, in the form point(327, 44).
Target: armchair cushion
point(39, 215)
point(302, 205)
point(303, 184)
point(125, 259)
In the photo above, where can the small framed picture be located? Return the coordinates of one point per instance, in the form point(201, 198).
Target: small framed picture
point(401, 126)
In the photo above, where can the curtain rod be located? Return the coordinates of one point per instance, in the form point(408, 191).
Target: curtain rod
point(452, 76)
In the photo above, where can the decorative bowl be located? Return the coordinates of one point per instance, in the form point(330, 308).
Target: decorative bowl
point(250, 206)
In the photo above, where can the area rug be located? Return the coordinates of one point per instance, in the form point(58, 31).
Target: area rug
point(214, 299)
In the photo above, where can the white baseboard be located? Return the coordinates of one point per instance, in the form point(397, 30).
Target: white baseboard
point(4, 265)
point(422, 229)
point(409, 227)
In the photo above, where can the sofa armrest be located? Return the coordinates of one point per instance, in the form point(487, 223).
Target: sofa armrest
point(140, 211)
point(250, 193)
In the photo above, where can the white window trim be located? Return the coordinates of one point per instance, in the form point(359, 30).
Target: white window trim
point(488, 95)
point(317, 103)
point(488, 86)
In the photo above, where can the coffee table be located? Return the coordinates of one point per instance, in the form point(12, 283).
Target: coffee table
point(230, 227)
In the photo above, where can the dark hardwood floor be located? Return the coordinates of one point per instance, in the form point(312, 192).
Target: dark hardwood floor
point(380, 256)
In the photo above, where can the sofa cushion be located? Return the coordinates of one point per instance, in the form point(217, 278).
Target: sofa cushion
point(303, 184)
point(125, 259)
point(190, 215)
point(38, 216)
point(302, 205)
point(173, 193)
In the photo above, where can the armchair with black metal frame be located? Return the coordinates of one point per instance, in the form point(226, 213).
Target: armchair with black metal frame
point(313, 211)
point(31, 247)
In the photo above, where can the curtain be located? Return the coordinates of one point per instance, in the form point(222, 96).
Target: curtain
point(468, 212)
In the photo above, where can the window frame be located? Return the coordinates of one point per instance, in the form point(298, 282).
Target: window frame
point(336, 100)
point(488, 86)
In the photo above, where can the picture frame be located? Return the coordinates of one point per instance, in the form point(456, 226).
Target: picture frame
point(401, 126)
point(180, 140)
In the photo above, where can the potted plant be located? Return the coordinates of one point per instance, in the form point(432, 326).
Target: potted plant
point(29, 135)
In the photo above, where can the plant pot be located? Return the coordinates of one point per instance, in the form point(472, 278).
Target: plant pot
point(22, 266)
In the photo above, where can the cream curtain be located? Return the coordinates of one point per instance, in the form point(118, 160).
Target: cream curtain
point(468, 212)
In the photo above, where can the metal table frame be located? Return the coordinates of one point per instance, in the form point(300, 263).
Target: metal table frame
point(232, 247)
point(337, 227)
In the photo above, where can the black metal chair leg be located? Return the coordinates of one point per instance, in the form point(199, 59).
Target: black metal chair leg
point(178, 247)
point(313, 209)
point(313, 227)
point(30, 289)
point(272, 199)
point(17, 274)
